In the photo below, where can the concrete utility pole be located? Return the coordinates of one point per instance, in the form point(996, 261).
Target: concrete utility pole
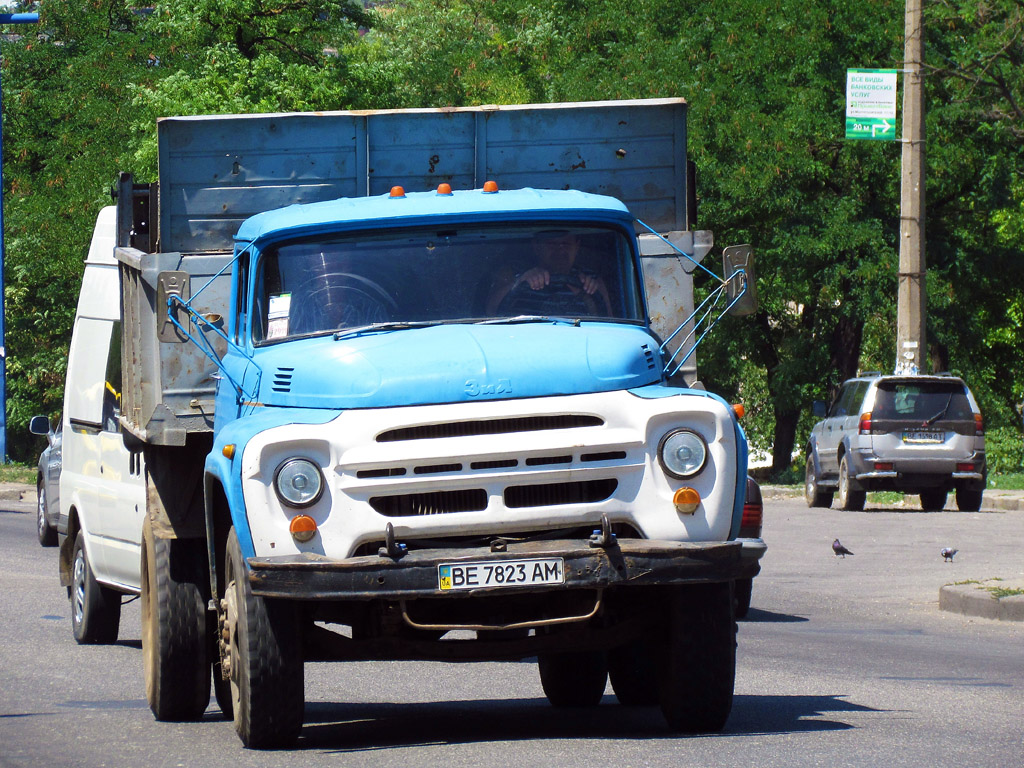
point(911, 298)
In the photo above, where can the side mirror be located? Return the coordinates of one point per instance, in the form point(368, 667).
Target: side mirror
point(818, 409)
point(39, 425)
point(738, 269)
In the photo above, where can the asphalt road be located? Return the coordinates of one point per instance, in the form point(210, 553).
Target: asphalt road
point(843, 662)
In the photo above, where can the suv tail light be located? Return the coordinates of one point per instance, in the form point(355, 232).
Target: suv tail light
point(753, 515)
point(979, 425)
point(865, 423)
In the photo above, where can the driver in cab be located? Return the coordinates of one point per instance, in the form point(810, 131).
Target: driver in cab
point(554, 286)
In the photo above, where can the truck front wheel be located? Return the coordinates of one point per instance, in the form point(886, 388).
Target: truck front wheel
point(633, 672)
point(698, 659)
point(264, 658)
point(175, 660)
point(574, 678)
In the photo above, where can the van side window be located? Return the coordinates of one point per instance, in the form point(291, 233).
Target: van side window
point(112, 383)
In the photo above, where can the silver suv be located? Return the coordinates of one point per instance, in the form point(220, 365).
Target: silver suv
point(914, 434)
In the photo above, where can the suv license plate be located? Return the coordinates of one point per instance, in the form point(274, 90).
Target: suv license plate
point(500, 573)
point(923, 437)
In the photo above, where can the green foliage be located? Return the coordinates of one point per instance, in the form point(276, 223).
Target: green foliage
point(765, 83)
point(1004, 451)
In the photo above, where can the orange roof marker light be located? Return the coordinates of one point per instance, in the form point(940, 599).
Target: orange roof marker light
point(739, 410)
point(302, 528)
point(490, 187)
point(397, 191)
point(444, 188)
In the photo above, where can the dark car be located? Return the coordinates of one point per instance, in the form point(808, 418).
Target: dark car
point(913, 434)
point(47, 480)
point(753, 545)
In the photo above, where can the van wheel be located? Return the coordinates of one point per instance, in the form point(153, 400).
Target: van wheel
point(175, 662)
point(573, 679)
point(265, 660)
point(933, 500)
point(697, 659)
point(813, 493)
point(95, 610)
point(634, 674)
point(849, 499)
point(968, 500)
point(46, 532)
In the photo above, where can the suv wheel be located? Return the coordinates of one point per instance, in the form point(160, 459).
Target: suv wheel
point(849, 499)
point(813, 493)
point(968, 500)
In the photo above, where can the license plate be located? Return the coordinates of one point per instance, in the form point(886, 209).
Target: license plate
point(500, 573)
point(923, 437)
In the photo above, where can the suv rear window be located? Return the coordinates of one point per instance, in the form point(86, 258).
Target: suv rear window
point(922, 401)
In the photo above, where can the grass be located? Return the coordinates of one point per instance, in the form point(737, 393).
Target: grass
point(1012, 482)
point(17, 473)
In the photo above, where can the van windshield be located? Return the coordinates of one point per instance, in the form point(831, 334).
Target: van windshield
point(446, 274)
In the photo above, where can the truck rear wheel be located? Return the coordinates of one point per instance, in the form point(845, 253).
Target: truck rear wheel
point(573, 679)
point(95, 610)
point(698, 659)
point(265, 660)
point(633, 672)
point(175, 657)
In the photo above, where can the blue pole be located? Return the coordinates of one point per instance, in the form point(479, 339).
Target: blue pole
point(5, 18)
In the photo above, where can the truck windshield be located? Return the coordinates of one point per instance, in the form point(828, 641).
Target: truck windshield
point(427, 275)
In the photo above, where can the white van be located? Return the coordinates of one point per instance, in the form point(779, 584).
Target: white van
point(102, 484)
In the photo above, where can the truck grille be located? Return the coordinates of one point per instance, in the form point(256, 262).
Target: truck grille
point(489, 427)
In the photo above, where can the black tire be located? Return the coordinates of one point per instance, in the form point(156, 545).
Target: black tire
point(574, 678)
point(222, 691)
point(175, 645)
point(267, 693)
point(698, 659)
point(813, 493)
point(95, 610)
point(743, 589)
point(47, 533)
point(968, 500)
point(849, 499)
point(633, 672)
point(933, 500)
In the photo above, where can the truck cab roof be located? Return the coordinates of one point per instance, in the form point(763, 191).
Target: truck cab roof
point(479, 205)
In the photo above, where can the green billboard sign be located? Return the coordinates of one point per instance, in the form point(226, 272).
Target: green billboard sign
point(871, 104)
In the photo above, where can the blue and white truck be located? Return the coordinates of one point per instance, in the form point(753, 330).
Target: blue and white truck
point(408, 385)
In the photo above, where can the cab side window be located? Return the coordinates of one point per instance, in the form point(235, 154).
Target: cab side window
point(842, 404)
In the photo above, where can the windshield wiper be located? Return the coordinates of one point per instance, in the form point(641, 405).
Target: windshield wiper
point(941, 413)
point(529, 319)
point(375, 327)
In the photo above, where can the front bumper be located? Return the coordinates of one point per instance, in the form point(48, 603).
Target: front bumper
point(627, 563)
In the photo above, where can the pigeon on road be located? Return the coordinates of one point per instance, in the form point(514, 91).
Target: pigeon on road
point(840, 550)
point(947, 554)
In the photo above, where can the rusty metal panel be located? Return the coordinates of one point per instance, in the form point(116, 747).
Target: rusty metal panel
point(215, 171)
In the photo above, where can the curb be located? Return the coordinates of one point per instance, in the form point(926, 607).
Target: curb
point(975, 600)
point(16, 491)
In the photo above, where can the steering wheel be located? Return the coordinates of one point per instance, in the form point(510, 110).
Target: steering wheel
point(339, 300)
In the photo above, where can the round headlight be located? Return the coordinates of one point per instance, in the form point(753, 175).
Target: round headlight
point(299, 482)
point(682, 453)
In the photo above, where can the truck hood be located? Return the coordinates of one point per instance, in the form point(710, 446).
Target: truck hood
point(456, 363)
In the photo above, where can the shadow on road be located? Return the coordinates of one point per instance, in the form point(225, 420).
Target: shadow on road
point(338, 727)
point(770, 617)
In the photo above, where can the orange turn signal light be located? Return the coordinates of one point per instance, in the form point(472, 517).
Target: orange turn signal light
point(686, 500)
point(228, 451)
point(397, 191)
point(444, 189)
point(490, 186)
point(302, 527)
point(739, 410)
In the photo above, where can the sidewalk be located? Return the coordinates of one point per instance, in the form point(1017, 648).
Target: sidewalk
point(972, 599)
